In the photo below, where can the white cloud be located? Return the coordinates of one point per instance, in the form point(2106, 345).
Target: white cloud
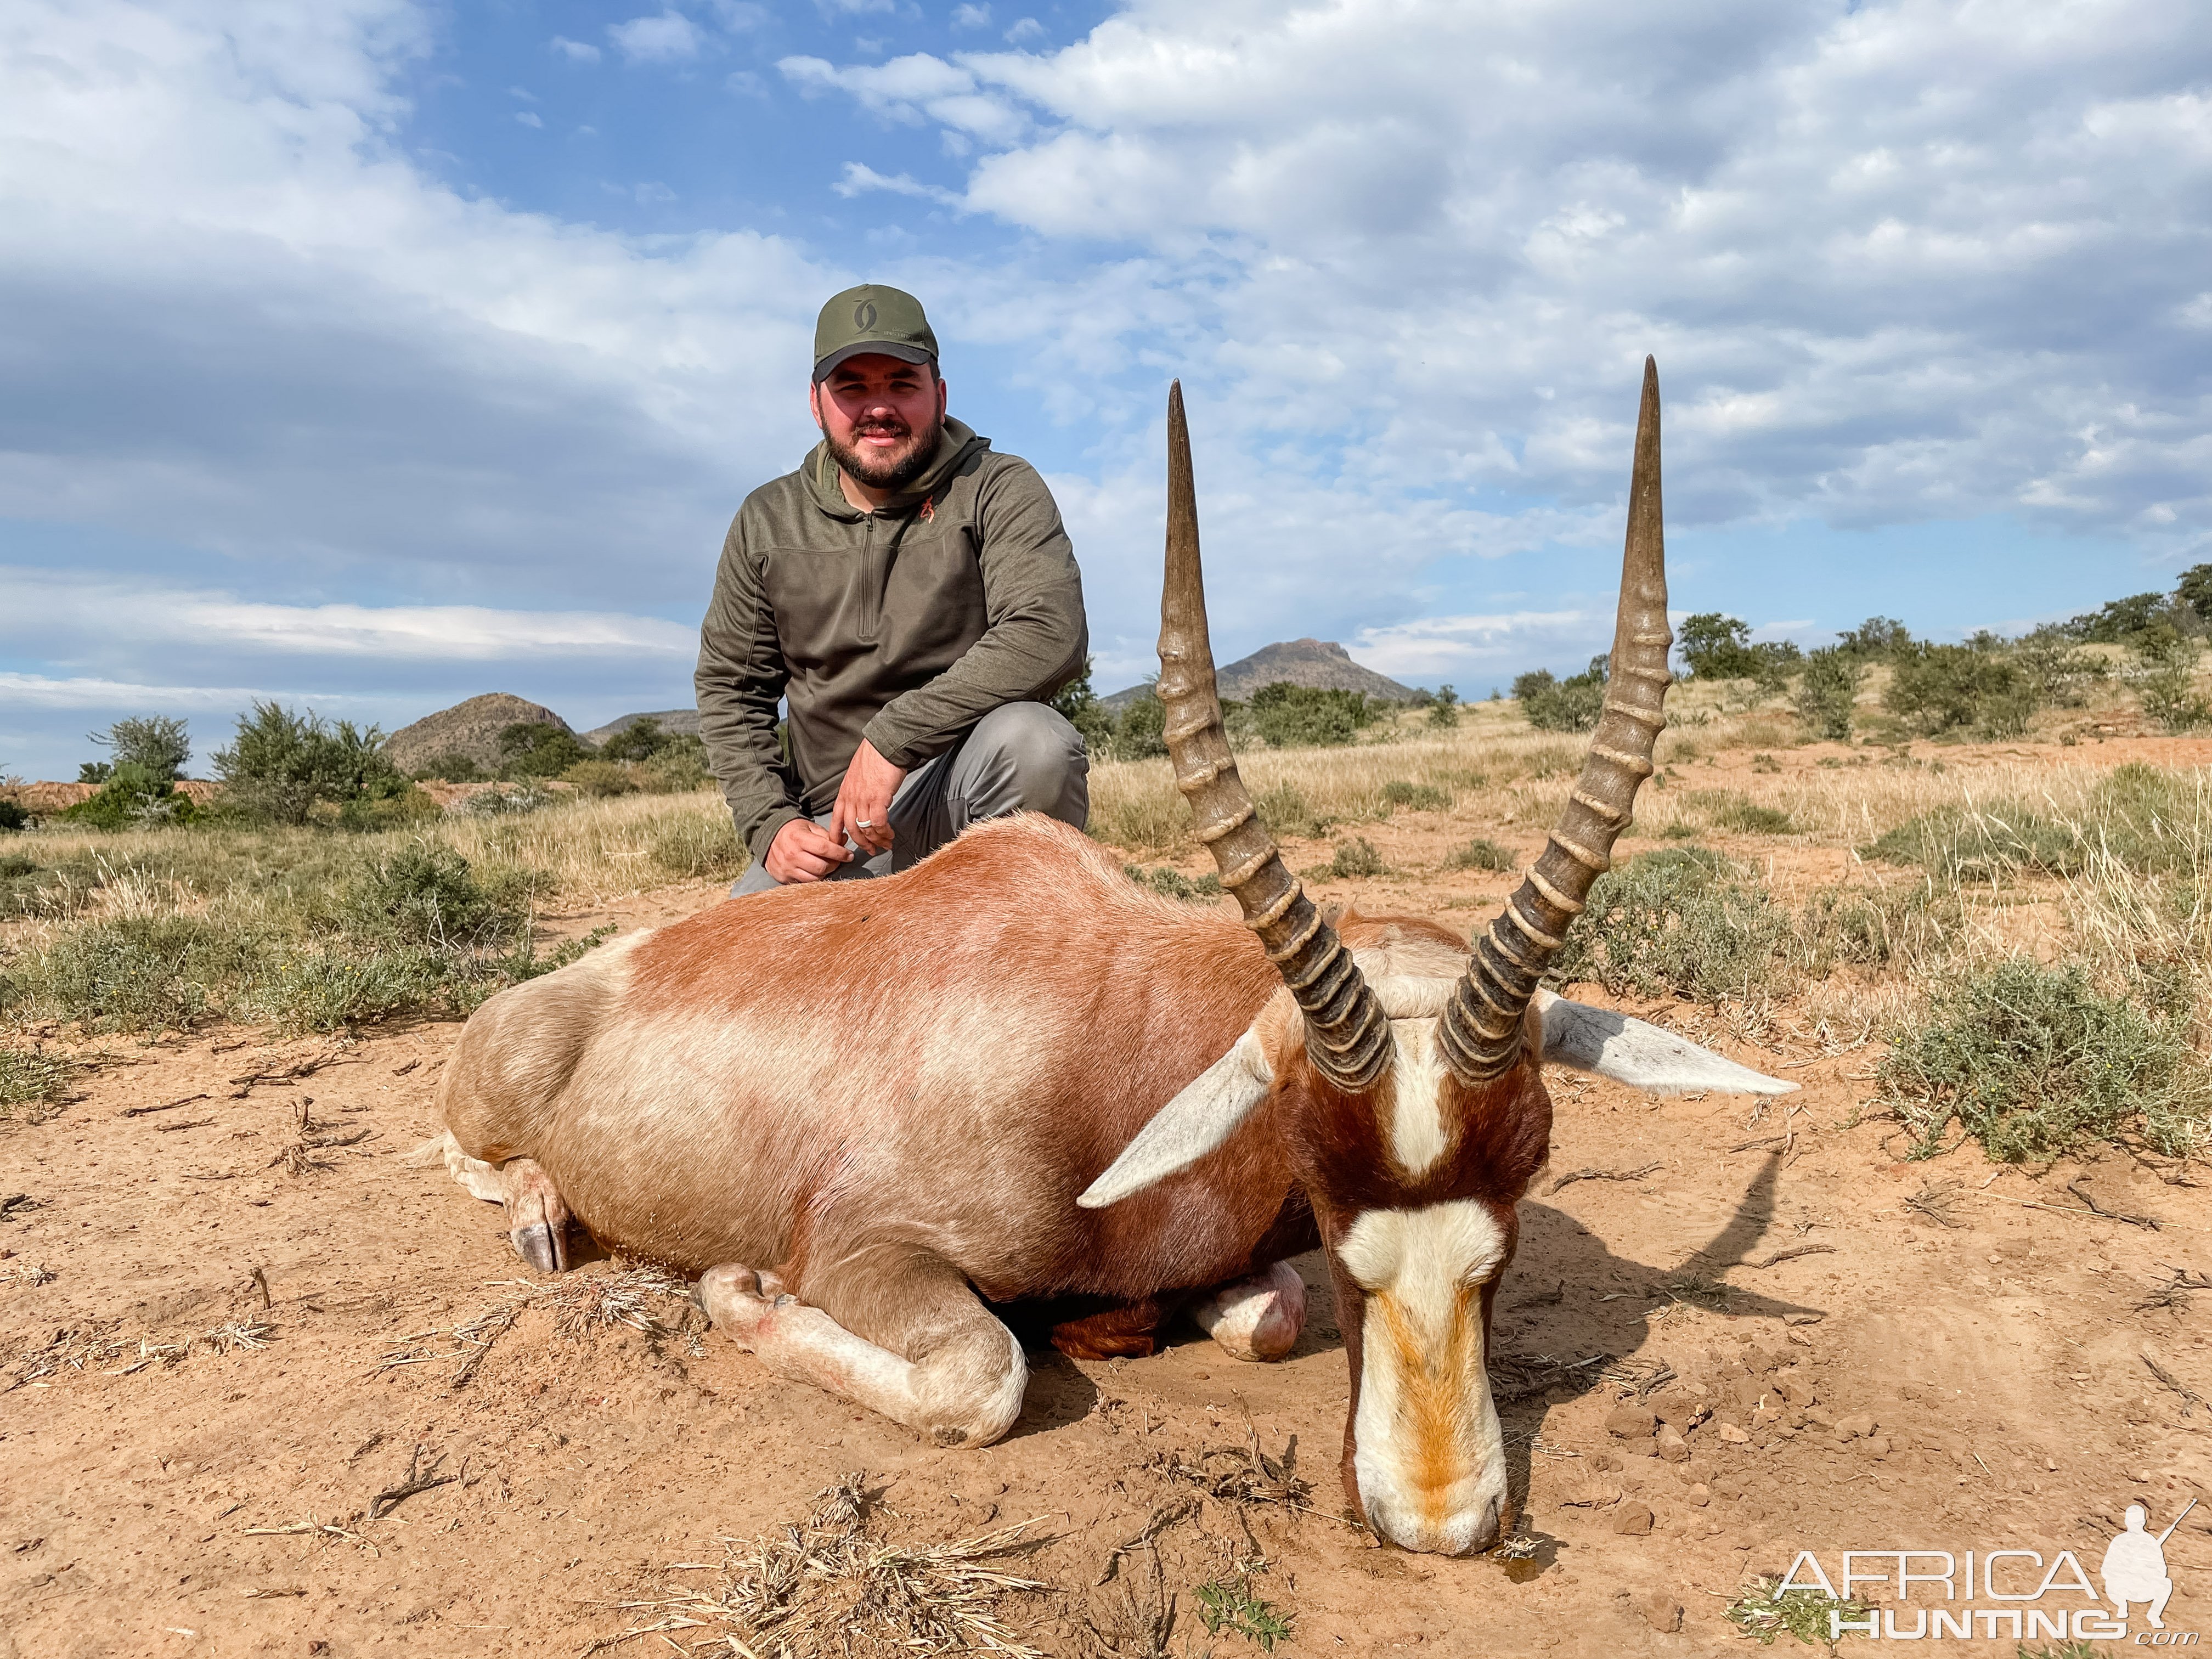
point(1433, 648)
point(529, 118)
point(1901, 261)
point(971, 17)
point(133, 619)
point(912, 89)
point(669, 37)
point(578, 52)
point(860, 178)
point(1026, 30)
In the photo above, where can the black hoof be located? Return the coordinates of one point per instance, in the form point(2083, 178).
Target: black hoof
point(534, 1244)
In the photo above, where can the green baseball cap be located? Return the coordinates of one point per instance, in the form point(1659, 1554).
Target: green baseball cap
point(872, 318)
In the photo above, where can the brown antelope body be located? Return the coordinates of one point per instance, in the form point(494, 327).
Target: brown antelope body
point(862, 1110)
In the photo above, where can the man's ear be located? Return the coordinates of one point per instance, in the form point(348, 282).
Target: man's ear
point(814, 403)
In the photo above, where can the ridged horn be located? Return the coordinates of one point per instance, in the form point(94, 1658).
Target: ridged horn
point(1347, 1034)
point(1481, 1032)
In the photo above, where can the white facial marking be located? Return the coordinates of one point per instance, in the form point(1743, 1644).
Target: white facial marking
point(1427, 1453)
point(1418, 1136)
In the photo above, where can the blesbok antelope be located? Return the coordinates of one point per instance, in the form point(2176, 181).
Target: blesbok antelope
point(864, 1110)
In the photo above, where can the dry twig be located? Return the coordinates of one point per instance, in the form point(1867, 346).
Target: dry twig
point(1572, 1177)
point(2189, 1397)
point(421, 1477)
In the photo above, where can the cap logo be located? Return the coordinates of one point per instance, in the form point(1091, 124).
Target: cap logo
point(864, 313)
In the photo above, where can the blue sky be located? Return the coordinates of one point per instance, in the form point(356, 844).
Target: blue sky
point(370, 355)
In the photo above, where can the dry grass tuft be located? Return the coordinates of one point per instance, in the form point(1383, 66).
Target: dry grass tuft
point(831, 1586)
point(81, 1349)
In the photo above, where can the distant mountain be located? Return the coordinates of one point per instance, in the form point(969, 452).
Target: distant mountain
point(470, 728)
point(1317, 663)
point(677, 722)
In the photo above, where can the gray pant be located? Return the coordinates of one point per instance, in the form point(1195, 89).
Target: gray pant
point(1020, 757)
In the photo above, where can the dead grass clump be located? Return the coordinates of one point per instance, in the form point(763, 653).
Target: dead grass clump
point(1173, 883)
point(586, 1303)
point(831, 1586)
point(1414, 797)
point(1724, 809)
point(81, 1349)
point(2034, 1060)
point(31, 1080)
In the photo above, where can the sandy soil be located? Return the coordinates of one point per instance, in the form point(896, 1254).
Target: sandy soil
point(1845, 1370)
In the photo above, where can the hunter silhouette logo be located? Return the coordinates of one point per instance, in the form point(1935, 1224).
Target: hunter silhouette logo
point(2135, 1567)
point(1913, 1594)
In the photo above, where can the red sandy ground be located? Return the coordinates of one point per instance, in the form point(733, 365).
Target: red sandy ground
point(1978, 1385)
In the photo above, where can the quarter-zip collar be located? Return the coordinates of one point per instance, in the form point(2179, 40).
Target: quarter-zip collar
point(955, 444)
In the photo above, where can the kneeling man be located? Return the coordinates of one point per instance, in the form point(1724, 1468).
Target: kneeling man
point(912, 594)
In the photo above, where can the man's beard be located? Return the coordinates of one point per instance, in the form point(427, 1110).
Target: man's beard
point(892, 471)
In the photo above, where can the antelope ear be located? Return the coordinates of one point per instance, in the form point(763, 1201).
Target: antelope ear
point(1642, 1055)
point(1205, 1114)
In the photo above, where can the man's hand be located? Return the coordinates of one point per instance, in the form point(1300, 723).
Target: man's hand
point(804, 851)
point(864, 800)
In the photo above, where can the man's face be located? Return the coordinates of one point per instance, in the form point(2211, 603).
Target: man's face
point(881, 418)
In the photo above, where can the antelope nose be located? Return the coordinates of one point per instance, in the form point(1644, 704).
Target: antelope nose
point(1470, 1530)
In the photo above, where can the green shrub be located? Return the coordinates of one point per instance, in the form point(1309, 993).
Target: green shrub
point(391, 802)
point(1354, 859)
point(132, 797)
point(1555, 705)
point(156, 744)
point(1173, 883)
point(452, 767)
point(281, 766)
point(2058, 676)
point(1715, 646)
point(430, 897)
point(1079, 706)
point(1414, 797)
point(323, 990)
point(1945, 688)
point(1284, 811)
point(13, 817)
point(1726, 810)
point(1137, 734)
point(1876, 639)
point(601, 777)
point(1443, 708)
point(694, 848)
point(2125, 622)
point(1827, 691)
point(135, 974)
point(2033, 1061)
point(1683, 921)
point(2163, 677)
point(1480, 853)
point(676, 768)
point(508, 799)
point(534, 748)
point(640, 740)
point(1290, 716)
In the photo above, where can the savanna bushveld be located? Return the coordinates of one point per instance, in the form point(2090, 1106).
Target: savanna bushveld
point(272, 1383)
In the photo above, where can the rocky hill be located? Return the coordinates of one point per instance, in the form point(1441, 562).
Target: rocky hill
point(677, 722)
point(470, 728)
point(1322, 663)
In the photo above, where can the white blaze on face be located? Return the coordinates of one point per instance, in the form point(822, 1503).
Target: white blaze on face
point(1417, 1135)
point(1427, 1453)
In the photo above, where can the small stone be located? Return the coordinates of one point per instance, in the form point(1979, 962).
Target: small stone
point(1608, 1461)
point(1878, 1445)
point(1673, 1448)
point(1634, 1521)
point(1734, 1436)
point(1855, 1428)
point(1698, 1496)
point(1629, 1423)
point(1597, 1495)
point(1661, 1611)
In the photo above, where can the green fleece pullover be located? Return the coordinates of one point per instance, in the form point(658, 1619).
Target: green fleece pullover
point(904, 626)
